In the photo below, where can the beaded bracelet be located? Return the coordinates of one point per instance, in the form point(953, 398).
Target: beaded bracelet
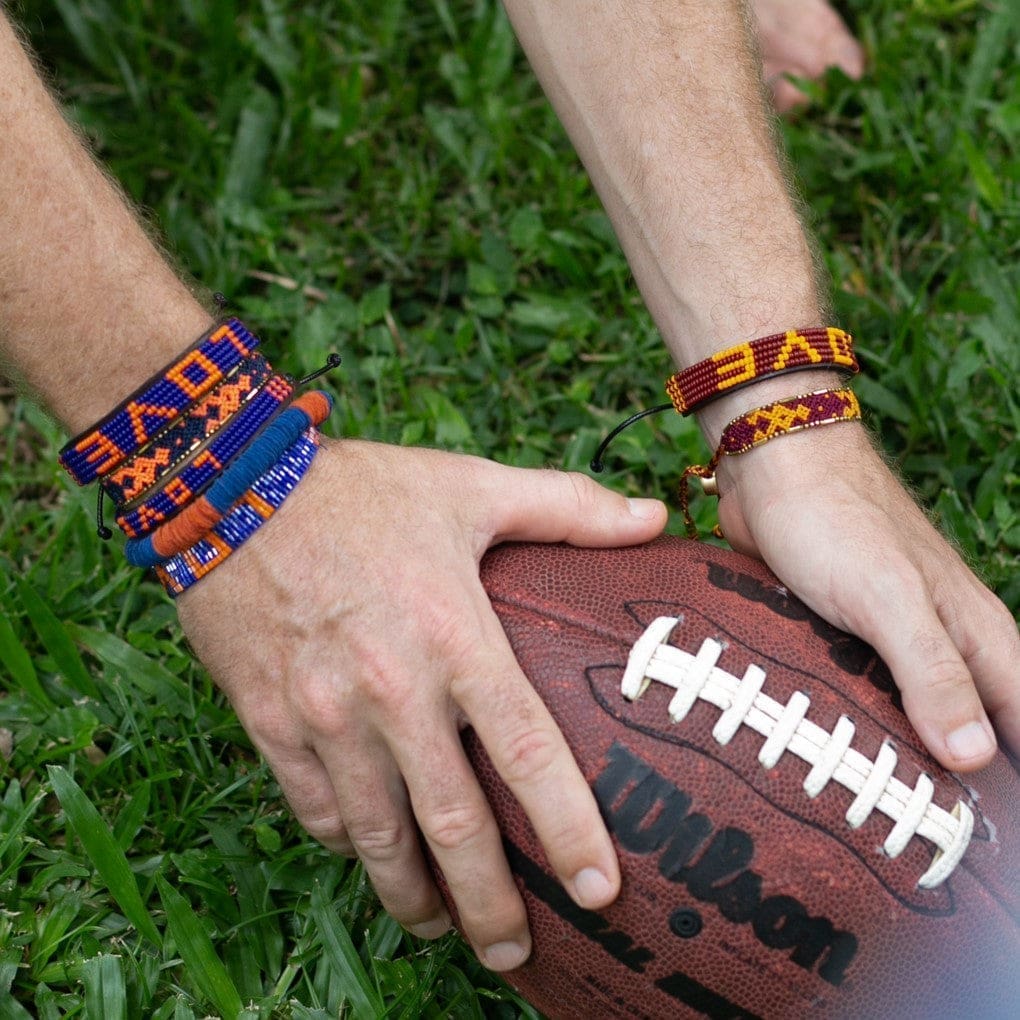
point(204, 513)
point(249, 513)
point(183, 437)
point(141, 517)
point(746, 431)
point(822, 407)
point(157, 402)
point(729, 370)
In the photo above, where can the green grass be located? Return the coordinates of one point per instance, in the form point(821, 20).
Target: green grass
point(392, 184)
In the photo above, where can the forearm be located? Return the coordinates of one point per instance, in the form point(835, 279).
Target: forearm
point(663, 102)
point(89, 309)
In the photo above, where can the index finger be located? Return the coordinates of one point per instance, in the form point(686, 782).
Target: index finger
point(532, 757)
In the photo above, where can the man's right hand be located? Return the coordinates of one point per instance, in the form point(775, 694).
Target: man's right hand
point(823, 510)
point(354, 640)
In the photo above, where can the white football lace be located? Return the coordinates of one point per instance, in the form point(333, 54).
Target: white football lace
point(787, 728)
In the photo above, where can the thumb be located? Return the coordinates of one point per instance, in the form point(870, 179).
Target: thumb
point(557, 506)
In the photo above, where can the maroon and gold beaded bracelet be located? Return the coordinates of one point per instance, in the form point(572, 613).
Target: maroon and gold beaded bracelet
point(745, 363)
point(746, 431)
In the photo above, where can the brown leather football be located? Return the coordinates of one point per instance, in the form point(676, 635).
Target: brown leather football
point(788, 847)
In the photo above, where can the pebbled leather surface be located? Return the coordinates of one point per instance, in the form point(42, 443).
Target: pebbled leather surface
point(799, 915)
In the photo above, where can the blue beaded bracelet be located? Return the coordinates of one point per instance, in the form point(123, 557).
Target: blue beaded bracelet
point(265, 451)
point(264, 498)
point(157, 402)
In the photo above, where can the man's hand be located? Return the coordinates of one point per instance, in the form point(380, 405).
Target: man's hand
point(355, 641)
point(834, 523)
point(803, 38)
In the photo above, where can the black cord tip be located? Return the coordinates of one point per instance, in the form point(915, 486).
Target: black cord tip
point(331, 362)
point(597, 467)
point(101, 529)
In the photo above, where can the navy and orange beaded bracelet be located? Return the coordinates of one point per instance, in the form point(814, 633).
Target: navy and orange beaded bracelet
point(157, 402)
point(202, 454)
point(182, 438)
point(140, 517)
point(204, 513)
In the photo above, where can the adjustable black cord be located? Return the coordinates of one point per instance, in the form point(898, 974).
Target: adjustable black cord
point(596, 462)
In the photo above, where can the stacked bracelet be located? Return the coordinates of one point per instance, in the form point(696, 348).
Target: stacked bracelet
point(204, 513)
point(157, 403)
point(746, 431)
point(142, 516)
point(249, 513)
point(735, 367)
point(171, 447)
point(729, 370)
point(201, 455)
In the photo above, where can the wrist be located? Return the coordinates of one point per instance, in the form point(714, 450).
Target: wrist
point(733, 296)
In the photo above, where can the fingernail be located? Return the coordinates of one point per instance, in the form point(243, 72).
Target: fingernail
point(644, 509)
point(431, 929)
point(504, 956)
point(969, 741)
point(592, 888)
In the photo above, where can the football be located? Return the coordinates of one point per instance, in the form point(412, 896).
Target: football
point(787, 845)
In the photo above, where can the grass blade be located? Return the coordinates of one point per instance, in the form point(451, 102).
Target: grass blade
point(52, 923)
point(107, 857)
point(132, 816)
point(11, 828)
point(255, 130)
point(252, 896)
point(202, 964)
point(19, 664)
point(137, 668)
point(343, 957)
point(105, 993)
point(992, 44)
point(10, 1009)
point(56, 640)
